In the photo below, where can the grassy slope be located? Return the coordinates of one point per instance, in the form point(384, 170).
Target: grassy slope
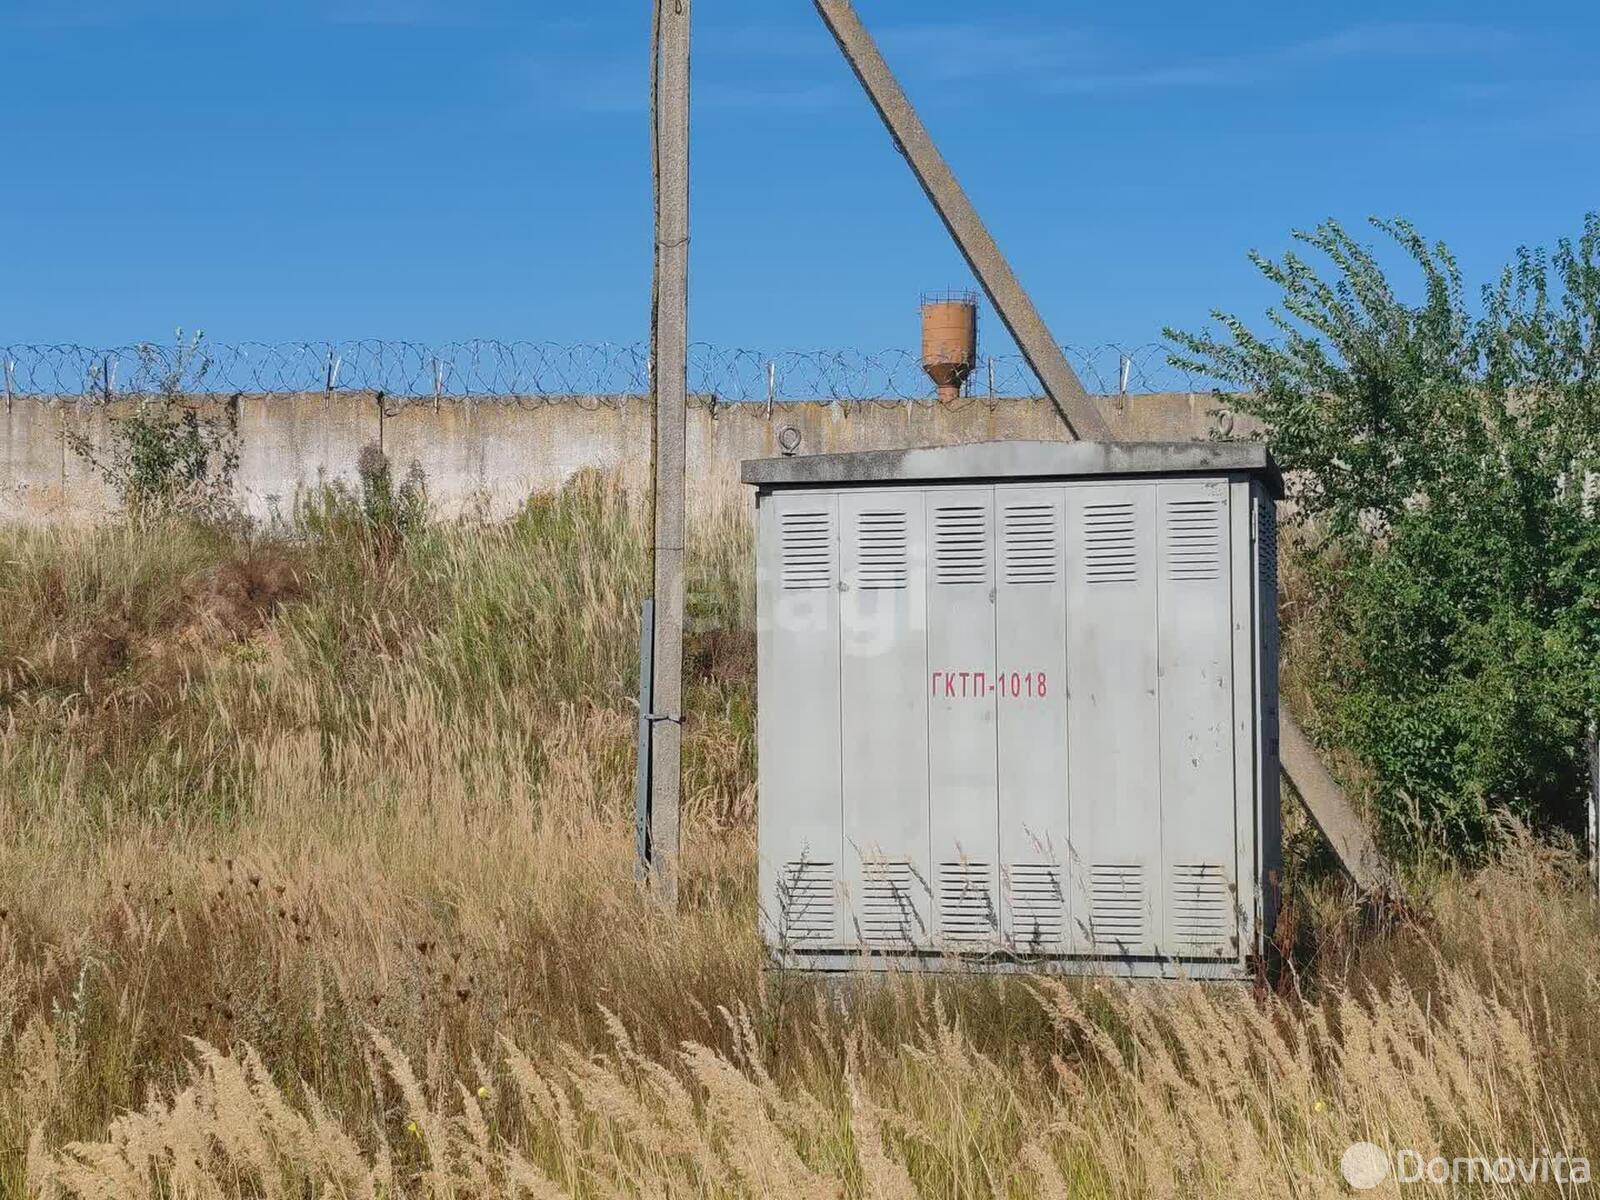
point(354, 815)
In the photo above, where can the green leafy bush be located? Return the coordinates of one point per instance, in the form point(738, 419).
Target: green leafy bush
point(175, 455)
point(1444, 462)
point(378, 514)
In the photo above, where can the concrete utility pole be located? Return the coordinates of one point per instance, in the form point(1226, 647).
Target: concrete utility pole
point(670, 382)
point(971, 236)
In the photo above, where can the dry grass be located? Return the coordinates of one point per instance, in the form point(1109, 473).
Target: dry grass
point(315, 880)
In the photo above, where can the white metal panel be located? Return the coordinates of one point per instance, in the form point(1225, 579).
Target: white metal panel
point(1194, 649)
point(963, 692)
point(801, 816)
point(1031, 664)
point(1112, 715)
point(883, 665)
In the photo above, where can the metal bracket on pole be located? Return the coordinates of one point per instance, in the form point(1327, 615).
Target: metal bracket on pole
point(972, 237)
point(641, 787)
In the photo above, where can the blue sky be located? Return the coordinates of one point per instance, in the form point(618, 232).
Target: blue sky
point(431, 171)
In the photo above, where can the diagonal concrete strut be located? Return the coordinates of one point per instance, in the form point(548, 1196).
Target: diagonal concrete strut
point(1324, 799)
point(972, 237)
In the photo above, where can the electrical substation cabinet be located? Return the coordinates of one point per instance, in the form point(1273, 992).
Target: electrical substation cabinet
point(1018, 707)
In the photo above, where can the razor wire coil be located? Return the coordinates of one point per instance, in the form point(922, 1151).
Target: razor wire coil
point(590, 374)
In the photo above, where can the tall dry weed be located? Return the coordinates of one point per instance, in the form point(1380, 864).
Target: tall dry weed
point(343, 904)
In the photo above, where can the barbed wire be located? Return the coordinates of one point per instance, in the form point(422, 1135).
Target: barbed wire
point(544, 372)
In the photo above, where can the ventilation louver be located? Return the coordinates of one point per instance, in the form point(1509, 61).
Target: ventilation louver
point(966, 907)
point(881, 550)
point(1268, 549)
point(1110, 550)
point(806, 902)
point(1200, 909)
point(1116, 907)
point(960, 545)
point(1037, 905)
point(806, 551)
point(889, 913)
point(1194, 539)
point(1031, 544)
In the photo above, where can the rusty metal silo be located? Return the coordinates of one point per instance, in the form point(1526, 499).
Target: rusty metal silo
point(950, 340)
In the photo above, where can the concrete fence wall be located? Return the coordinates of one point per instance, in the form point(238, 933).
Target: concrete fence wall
point(488, 456)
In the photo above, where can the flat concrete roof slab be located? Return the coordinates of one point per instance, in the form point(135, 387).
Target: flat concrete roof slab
point(1018, 460)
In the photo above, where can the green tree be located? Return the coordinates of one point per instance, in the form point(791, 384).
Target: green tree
point(1444, 464)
